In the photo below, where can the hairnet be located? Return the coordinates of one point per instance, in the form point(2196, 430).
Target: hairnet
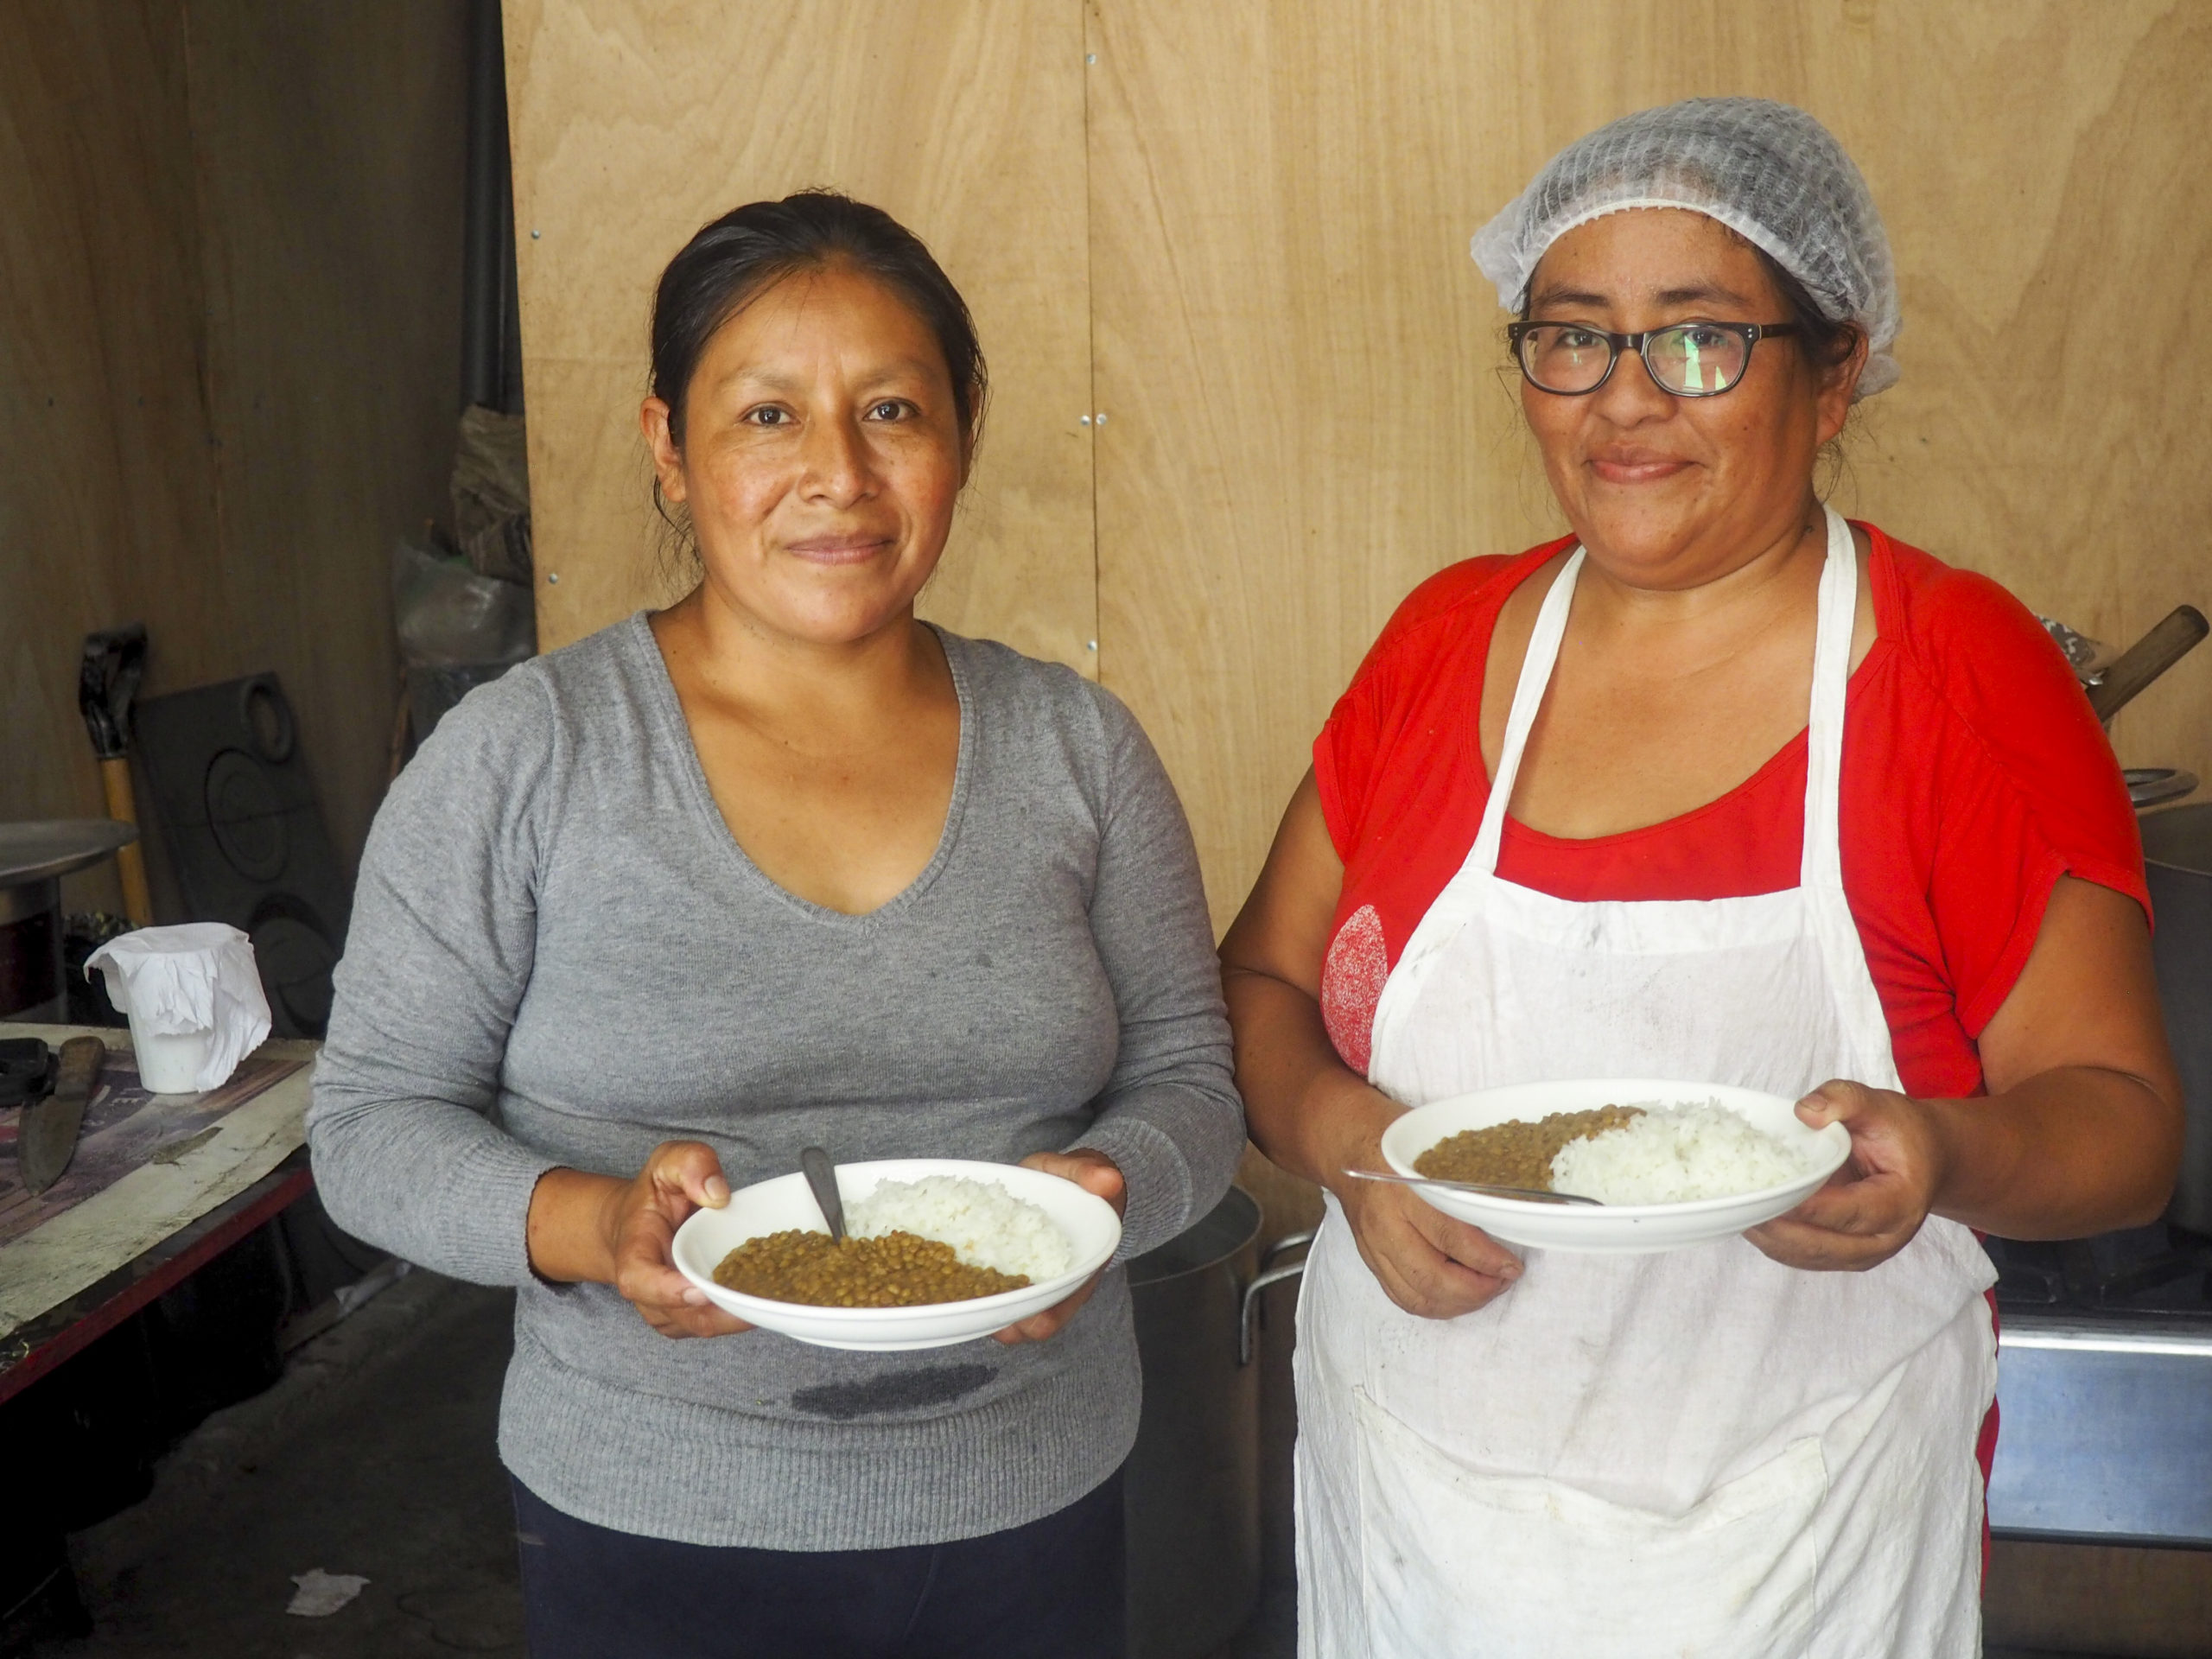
point(1767, 171)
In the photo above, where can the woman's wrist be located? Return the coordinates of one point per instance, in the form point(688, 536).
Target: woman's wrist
point(1089, 1168)
point(572, 1227)
point(1343, 1118)
point(1958, 1149)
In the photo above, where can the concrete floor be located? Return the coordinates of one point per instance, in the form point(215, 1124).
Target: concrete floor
point(374, 1455)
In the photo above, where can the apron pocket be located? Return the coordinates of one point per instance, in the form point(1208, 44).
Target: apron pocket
point(1458, 1562)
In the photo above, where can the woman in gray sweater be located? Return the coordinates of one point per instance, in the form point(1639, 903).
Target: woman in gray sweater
point(779, 865)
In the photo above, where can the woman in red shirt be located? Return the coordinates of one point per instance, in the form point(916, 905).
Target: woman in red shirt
point(1792, 806)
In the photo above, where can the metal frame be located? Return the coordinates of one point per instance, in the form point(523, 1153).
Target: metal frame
point(1750, 333)
point(1248, 1314)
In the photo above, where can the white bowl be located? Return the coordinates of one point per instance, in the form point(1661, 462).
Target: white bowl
point(1613, 1230)
point(785, 1203)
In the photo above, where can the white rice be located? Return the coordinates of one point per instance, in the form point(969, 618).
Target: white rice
point(1674, 1155)
point(986, 1225)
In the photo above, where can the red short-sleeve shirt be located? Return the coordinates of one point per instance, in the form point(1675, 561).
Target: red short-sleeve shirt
point(1975, 775)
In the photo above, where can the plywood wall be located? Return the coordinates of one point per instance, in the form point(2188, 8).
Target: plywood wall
point(1303, 363)
point(330, 144)
point(1239, 230)
point(634, 122)
point(230, 240)
point(107, 499)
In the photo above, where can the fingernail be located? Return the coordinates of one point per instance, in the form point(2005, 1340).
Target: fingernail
point(717, 1191)
point(696, 1298)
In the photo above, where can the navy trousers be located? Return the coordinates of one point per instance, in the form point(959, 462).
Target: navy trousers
point(1050, 1590)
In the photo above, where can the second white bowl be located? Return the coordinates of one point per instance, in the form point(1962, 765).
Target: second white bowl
point(1620, 1230)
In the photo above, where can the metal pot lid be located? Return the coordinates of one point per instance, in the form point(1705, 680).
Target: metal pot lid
point(2156, 785)
point(42, 850)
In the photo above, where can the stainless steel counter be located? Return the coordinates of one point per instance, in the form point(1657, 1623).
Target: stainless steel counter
point(2105, 1429)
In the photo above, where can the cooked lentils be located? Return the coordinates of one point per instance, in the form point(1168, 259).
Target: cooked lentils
point(1517, 1154)
point(892, 1269)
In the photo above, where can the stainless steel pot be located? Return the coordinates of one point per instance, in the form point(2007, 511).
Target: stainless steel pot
point(34, 857)
point(2178, 851)
point(1192, 1495)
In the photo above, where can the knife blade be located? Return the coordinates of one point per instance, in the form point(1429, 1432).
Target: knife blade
point(45, 1136)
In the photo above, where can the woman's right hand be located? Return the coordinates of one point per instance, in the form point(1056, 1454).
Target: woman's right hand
point(599, 1228)
point(1431, 1264)
point(680, 1177)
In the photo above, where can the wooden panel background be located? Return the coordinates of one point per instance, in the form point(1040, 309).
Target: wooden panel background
point(330, 144)
point(1302, 364)
point(108, 497)
point(2089, 1598)
point(1246, 225)
point(636, 121)
point(229, 238)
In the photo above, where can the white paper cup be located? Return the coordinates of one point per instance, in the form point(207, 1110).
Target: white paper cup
point(170, 1062)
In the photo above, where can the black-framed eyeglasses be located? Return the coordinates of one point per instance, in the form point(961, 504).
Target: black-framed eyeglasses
point(1690, 359)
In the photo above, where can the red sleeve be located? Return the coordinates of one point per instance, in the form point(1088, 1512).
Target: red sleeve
point(2024, 784)
point(1353, 740)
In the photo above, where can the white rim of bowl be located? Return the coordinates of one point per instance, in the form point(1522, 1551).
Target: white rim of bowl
point(1685, 1207)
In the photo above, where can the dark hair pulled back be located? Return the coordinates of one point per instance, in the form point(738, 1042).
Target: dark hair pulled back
point(733, 260)
point(1826, 340)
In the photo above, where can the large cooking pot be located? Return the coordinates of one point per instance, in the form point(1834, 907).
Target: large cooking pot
point(1191, 1495)
point(2177, 850)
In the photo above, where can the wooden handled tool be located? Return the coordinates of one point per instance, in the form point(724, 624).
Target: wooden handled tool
point(107, 678)
point(2148, 658)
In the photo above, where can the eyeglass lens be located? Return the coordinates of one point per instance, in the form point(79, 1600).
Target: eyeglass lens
point(1691, 359)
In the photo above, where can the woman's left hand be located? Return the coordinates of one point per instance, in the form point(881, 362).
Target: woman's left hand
point(1872, 1207)
point(1094, 1172)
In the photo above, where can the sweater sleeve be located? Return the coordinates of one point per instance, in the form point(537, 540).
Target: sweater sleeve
point(407, 1149)
point(1169, 1116)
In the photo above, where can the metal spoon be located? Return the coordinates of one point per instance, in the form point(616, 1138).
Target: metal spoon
point(822, 1176)
point(1536, 1194)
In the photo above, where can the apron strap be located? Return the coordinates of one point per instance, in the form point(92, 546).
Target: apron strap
point(1821, 863)
point(1527, 698)
point(1821, 868)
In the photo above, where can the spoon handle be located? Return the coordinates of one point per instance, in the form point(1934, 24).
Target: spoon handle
point(822, 1177)
point(1534, 1194)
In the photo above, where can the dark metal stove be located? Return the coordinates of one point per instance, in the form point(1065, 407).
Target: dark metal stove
point(2163, 1269)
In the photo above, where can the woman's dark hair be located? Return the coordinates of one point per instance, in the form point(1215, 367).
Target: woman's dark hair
point(731, 261)
point(1826, 340)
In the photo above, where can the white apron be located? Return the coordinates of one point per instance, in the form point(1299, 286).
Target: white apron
point(1701, 1453)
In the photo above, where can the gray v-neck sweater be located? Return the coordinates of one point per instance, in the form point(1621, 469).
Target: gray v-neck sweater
point(559, 956)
